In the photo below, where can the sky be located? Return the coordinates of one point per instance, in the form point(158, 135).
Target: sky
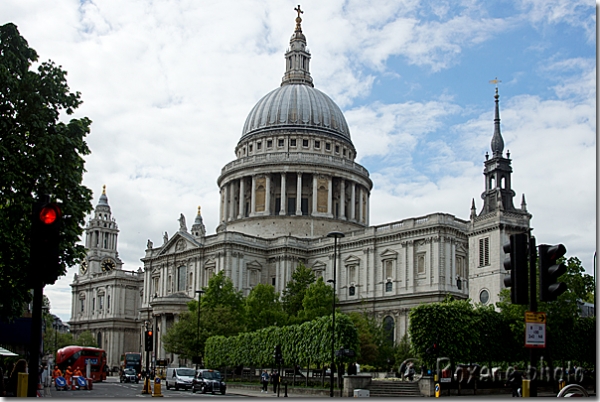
point(168, 86)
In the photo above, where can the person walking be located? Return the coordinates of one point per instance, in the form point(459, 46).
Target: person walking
point(264, 378)
point(515, 379)
point(275, 378)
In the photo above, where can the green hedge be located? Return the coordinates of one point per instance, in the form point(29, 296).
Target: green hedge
point(309, 342)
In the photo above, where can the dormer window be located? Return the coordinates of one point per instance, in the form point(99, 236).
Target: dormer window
point(250, 148)
point(337, 149)
point(258, 146)
point(292, 142)
point(305, 143)
point(269, 143)
point(317, 144)
point(327, 146)
point(280, 142)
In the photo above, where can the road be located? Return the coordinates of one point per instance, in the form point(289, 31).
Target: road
point(112, 388)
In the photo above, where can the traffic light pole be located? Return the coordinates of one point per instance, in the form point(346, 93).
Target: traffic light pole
point(36, 339)
point(532, 307)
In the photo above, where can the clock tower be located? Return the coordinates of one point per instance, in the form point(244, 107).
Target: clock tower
point(105, 297)
point(101, 235)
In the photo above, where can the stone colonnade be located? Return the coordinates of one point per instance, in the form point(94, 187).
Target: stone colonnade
point(272, 194)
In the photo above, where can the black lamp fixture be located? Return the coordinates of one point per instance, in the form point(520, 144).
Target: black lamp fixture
point(199, 292)
point(335, 236)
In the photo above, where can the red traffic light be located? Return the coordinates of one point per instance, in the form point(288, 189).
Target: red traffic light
point(149, 333)
point(49, 214)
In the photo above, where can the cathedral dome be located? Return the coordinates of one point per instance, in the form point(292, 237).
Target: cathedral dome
point(297, 106)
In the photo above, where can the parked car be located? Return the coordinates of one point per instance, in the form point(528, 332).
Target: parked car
point(129, 375)
point(180, 377)
point(207, 380)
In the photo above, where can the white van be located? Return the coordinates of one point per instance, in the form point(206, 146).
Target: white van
point(179, 377)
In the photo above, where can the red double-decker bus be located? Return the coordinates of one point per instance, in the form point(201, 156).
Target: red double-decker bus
point(78, 356)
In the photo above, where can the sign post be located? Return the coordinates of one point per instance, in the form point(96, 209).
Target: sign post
point(535, 329)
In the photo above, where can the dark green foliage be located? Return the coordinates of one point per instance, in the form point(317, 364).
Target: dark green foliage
point(263, 308)
point(317, 301)
point(295, 289)
point(38, 155)
point(307, 342)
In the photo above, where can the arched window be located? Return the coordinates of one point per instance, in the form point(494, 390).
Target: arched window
point(388, 287)
point(351, 291)
point(388, 327)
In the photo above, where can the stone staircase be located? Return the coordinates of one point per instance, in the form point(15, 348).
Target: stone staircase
point(386, 389)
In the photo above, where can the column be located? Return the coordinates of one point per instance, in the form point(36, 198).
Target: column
point(360, 205)
point(314, 195)
point(343, 199)
point(353, 202)
point(227, 201)
point(222, 194)
point(232, 200)
point(268, 194)
point(253, 196)
point(163, 329)
point(329, 195)
point(241, 211)
point(283, 200)
point(368, 207)
point(299, 194)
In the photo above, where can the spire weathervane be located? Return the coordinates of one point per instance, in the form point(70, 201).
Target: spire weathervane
point(104, 189)
point(298, 19)
point(495, 81)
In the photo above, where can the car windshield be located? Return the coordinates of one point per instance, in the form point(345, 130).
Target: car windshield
point(130, 371)
point(186, 372)
point(211, 375)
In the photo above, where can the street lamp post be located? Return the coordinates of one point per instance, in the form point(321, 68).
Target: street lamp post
point(336, 236)
point(198, 329)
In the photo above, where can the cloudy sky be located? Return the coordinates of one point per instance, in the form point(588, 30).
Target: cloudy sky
point(168, 85)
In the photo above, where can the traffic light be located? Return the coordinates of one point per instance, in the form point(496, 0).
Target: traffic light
point(516, 263)
point(550, 271)
point(45, 237)
point(277, 355)
point(148, 339)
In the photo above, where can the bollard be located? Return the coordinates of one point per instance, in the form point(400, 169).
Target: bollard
point(285, 390)
point(157, 387)
point(525, 388)
point(22, 385)
point(438, 392)
point(146, 387)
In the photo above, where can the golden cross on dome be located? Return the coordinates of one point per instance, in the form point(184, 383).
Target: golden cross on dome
point(199, 210)
point(495, 81)
point(104, 189)
point(298, 10)
point(298, 19)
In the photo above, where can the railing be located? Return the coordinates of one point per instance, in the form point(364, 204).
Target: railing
point(294, 157)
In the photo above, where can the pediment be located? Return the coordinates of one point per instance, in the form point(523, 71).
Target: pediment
point(352, 260)
point(180, 242)
point(389, 254)
point(461, 249)
point(254, 265)
point(319, 265)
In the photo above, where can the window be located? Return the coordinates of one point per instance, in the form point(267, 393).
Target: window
point(460, 267)
point(280, 142)
point(352, 273)
point(344, 151)
point(244, 150)
point(388, 265)
point(82, 304)
point(269, 143)
point(388, 286)
point(388, 327)
point(337, 149)
point(273, 281)
point(258, 146)
point(317, 144)
point(293, 142)
point(351, 291)
point(100, 302)
point(108, 302)
point(421, 263)
point(305, 143)
point(484, 296)
point(328, 146)
point(93, 303)
point(484, 252)
point(181, 278)
point(250, 148)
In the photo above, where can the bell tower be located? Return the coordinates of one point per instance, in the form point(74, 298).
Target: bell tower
point(498, 219)
point(101, 235)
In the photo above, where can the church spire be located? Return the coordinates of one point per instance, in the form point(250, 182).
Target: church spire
point(297, 57)
point(497, 141)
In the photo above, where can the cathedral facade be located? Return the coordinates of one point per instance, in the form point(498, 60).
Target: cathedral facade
point(293, 181)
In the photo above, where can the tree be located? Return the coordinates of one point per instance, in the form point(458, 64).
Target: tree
point(39, 155)
point(86, 339)
point(263, 308)
point(317, 301)
point(369, 350)
point(295, 289)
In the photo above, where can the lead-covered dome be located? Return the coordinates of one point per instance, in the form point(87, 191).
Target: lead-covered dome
point(297, 106)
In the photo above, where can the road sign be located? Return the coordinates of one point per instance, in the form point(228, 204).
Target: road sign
point(535, 329)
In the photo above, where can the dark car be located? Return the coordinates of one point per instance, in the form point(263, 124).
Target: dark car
point(129, 375)
point(208, 381)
